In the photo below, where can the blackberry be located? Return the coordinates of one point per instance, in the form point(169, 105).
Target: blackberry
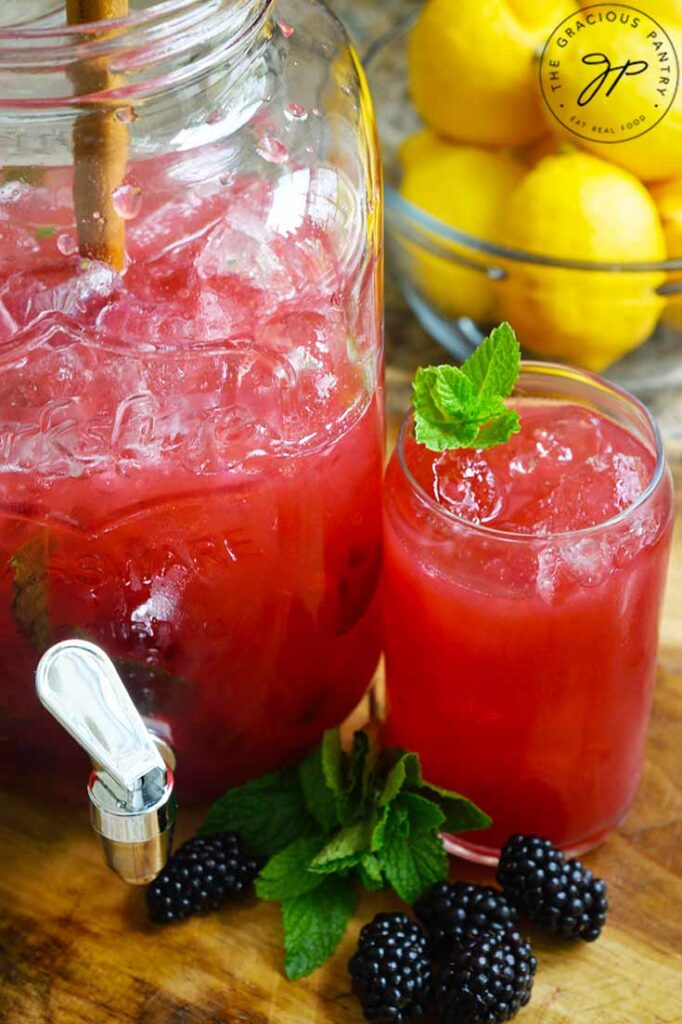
point(455, 914)
point(202, 875)
point(487, 982)
point(391, 970)
point(560, 895)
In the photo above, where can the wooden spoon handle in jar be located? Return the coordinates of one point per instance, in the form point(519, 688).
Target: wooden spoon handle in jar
point(100, 146)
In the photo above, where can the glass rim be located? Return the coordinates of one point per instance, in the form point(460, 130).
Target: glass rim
point(551, 370)
point(401, 211)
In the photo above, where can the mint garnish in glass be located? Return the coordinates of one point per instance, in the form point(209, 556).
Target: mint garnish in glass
point(464, 407)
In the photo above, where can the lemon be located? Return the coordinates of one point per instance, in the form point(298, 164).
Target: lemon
point(668, 198)
point(465, 187)
point(575, 206)
point(620, 119)
point(472, 67)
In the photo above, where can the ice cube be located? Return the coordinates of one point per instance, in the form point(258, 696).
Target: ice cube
point(587, 559)
point(631, 476)
point(466, 485)
point(8, 325)
point(231, 253)
point(92, 284)
point(547, 573)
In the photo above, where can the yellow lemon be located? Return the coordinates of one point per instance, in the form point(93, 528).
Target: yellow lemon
point(611, 85)
point(465, 187)
point(668, 198)
point(472, 67)
point(575, 206)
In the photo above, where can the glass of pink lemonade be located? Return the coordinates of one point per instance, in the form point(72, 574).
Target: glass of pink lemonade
point(523, 586)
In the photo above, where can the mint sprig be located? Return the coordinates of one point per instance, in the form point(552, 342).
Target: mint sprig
point(464, 407)
point(30, 597)
point(333, 823)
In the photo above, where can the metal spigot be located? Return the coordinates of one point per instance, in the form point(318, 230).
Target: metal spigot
point(132, 806)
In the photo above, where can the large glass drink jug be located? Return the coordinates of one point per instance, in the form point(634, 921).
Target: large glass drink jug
point(190, 374)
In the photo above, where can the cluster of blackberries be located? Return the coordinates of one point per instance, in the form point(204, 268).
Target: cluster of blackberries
point(200, 877)
point(474, 967)
point(558, 894)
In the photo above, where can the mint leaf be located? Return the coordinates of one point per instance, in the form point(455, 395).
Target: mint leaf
point(460, 814)
point(360, 763)
point(404, 771)
point(451, 391)
point(465, 408)
point(286, 875)
point(30, 602)
point(494, 366)
point(269, 812)
point(423, 815)
point(319, 798)
point(332, 760)
point(371, 875)
point(45, 231)
point(440, 404)
point(368, 769)
point(345, 849)
point(314, 924)
point(411, 862)
point(499, 429)
point(379, 822)
point(353, 798)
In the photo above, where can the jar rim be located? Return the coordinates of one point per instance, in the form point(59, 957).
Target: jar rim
point(170, 12)
point(169, 43)
point(550, 370)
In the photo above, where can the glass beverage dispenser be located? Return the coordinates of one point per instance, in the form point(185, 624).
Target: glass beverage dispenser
point(190, 375)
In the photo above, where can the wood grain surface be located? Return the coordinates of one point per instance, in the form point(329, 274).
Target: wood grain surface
point(75, 946)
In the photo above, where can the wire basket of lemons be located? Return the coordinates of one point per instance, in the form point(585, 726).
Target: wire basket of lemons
point(498, 211)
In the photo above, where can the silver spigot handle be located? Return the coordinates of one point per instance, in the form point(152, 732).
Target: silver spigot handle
point(80, 687)
point(132, 805)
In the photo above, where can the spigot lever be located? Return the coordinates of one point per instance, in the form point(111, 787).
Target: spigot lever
point(131, 788)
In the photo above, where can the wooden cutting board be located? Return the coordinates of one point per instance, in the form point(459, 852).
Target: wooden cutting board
point(75, 946)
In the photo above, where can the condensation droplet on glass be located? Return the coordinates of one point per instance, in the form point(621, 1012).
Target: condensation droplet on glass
point(295, 112)
point(66, 244)
point(227, 178)
point(127, 200)
point(126, 115)
point(286, 29)
point(97, 215)
point(347, 89)
point(317, 112)
point(272, 150)
point(214, 117)
point(13, 191)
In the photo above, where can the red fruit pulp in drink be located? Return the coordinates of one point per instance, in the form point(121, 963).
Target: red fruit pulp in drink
point(191, 475)
point(520, 663)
